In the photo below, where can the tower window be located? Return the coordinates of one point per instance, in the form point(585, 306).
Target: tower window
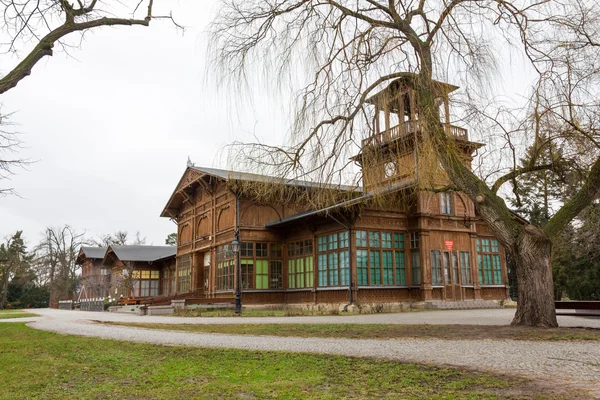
point(446, 203)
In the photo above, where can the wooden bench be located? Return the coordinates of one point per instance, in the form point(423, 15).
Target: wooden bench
point(582, 308)
point(131, 301)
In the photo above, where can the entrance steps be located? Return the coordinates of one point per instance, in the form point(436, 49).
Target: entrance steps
point(461, 305)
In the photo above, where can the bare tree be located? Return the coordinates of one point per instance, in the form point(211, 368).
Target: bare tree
point(48, 22)
point(9, 144)
point(119, 238)
point(56, 260)
point(33, 28)
point(13, 259)
point(354, 47)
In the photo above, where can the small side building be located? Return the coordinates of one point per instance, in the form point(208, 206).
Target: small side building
point(95, 278)
point(140, 271)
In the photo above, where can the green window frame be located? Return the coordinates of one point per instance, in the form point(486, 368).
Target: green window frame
point(322, 261)
point(344, 268)
point(388, 267)
point(400, 268)
point(262, 274)
point(375, 267)
point(362, 263)
point(489, 262)
point(361, 238)
point(377, 264)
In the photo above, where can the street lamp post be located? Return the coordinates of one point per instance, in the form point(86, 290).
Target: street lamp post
point(235, 247)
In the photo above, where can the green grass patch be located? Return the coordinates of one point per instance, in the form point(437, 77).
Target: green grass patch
point(45, 365)
point(387, 331)
point(6, 314)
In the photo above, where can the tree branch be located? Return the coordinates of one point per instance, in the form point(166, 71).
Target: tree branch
point(45, 45)
point(518, 172)
point(589, 192)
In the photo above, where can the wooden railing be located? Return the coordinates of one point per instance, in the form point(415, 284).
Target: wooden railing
point(406, 129)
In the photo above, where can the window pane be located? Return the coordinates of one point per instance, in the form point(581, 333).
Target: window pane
point(261, 249)
point(362, 264)
point(398, 240)
point(436, 267)
point(374, 240)
point(465, 268)
point(276, 250)
point(361, 238)
point(388, 268)
point(322, 260)
point(416, 267)
point(308, 247)
point(344, 268)
point(495, 247)
point(400, 268)
point(333, 269)
point(386, 240)
point(343, 239)
point(332, 241)
point(497, 269)
point(322, 243)
point(375, 267)
point(414, 240)
point(308, 266)
point(276, 281)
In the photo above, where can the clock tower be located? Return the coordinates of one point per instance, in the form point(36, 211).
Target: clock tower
point(389, 156)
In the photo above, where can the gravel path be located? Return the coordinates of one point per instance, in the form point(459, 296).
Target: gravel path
point(575, 362)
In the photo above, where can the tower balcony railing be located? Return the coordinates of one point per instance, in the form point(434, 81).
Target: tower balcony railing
point(406, 129)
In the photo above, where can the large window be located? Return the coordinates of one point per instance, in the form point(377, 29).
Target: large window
point(465, 268)
point(436, 267)
point(300, 264)
point(145, 283)
point(225, 267)
point(255, 265)
point(334, 259)
point(488, 262)
point(380, 258)
point(184, 273)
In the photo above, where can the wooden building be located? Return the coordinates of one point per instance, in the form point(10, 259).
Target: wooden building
point(127, 271)
point(419, 245)
point(95, 278)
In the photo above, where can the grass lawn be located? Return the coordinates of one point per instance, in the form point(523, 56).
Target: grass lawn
point(6, 314)
point(388, 331)
point(46, 365)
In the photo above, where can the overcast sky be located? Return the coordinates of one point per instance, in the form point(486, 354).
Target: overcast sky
point(111, 128)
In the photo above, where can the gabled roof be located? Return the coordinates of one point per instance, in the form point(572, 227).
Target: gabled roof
point(326, 210)
point(96, 253)
point(391, 90)
point(250, 177)
point(230, 175)
point(142, 253)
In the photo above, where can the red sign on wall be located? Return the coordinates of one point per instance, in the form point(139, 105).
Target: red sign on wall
point(449, 244)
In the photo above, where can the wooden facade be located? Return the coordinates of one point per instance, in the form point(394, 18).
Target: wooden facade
point(430, 246)
point(126, 271)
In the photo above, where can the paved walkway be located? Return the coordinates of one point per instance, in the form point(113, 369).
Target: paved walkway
point(576, 362)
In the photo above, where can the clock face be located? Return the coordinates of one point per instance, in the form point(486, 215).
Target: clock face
point(390, 169)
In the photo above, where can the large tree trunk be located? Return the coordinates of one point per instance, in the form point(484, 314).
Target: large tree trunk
point(535, 305)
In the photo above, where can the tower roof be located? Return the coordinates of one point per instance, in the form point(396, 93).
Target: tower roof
point(399, 85)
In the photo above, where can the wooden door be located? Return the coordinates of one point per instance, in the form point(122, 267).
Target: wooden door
point(452, 276)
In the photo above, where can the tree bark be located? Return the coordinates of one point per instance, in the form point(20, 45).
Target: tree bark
point(535, 305)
